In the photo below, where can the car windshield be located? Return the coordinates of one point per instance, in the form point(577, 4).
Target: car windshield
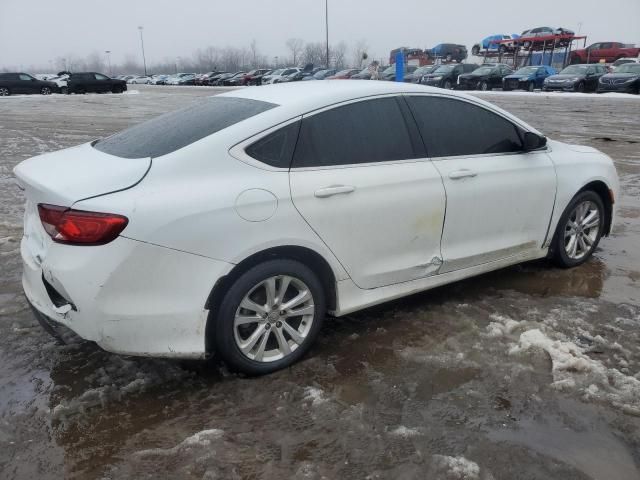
point(444, 69)
point(629, 68)
point(424, 70)
point(574, 70)
point(390, 70)
point(277, 72)
point(527, 70)
point(173, 131)
point(482, 71)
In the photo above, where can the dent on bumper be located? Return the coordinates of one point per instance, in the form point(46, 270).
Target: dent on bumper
point(131, 297)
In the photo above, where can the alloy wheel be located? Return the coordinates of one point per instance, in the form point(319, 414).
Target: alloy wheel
point(4, 91)
point(581, 230)
point(274, 318)
point(45, 90)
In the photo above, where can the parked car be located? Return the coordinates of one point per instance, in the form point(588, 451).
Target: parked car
point(344, 74)
point(279, 76)
point(242, 233)
point(188, 79)
point(604, 52)
point(417, 75)
point(85, 82)
point(446, 76)
point(213, 79)
point(159, 79)
point(528, 78)
point(302, 74)
point(143, 79)
point(622, 61)
point(177, 79)
point(576, 78)
point(450, 52)
point(203, 78)
point(389, 74)
point(321, 74)
point(257, 79)
point(485, 77)
point(218, 81)
point(364, 74)
point(23, 83)
point(489, 43)
point(234, 80)
point(545, 32)
point(249, 77)
point(625, 78)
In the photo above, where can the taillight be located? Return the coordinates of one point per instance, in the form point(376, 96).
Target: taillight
point(77, 227)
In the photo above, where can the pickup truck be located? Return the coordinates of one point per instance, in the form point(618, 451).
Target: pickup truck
point(604, 51)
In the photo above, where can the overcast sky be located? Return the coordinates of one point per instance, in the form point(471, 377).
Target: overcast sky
point(36, 32)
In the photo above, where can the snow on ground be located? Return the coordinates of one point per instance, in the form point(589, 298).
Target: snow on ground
point(573, 369)
point(455, 468)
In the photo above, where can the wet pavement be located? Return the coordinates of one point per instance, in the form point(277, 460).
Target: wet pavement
point(531, 372)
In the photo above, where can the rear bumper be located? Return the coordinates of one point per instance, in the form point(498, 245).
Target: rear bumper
point(129, 297)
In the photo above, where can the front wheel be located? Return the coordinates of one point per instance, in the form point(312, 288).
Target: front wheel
point(4, 92)
point(270, 317)
point(579, 230)
point(579, 87)
point(484, 86)
point(447, 84)
point(45, 91)
point(531, 87)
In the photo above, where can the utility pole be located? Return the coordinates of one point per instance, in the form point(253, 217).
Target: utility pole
point(144, 60)
point(108, 53)
point(326, 28)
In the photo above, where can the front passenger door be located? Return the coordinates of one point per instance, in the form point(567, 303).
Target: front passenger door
point(102, 83)
point(499, 198)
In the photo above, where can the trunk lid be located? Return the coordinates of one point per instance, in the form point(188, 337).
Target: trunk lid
point(68, 176)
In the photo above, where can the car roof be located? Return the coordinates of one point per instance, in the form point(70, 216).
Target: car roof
point(308, 96)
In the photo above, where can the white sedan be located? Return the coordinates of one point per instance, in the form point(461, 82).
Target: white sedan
point(233, 226)
point(142, 80)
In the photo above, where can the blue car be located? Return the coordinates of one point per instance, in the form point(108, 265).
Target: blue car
point(528, 78)
point(488, 43)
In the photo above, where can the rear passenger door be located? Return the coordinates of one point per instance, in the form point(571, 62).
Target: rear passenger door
point(361, 181)
point(499, 198)
point(26, 84)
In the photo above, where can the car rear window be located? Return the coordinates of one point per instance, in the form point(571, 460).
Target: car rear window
point(173, 131)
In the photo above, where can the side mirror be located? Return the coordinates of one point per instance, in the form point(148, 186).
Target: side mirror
point(533, 141)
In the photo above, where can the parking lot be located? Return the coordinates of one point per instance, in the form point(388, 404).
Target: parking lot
point(530, 368)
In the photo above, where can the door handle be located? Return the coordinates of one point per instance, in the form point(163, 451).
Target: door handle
point(333, 190)
point(464, 173)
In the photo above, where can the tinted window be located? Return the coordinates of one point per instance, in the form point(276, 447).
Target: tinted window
point(454, 127)
point(361, 132)
point(101, 77)
point(276, 149)
point(172, 131)
point(24, 76)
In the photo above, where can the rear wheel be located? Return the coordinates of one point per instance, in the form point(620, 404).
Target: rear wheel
point(116, 89)
point(64, 90)
point(447, 84)
point(4, 92)
point(45, 91)
point(81, 90)
point(269, 317)
point(531, 86)
point(579, 87)
point(475, 50)
point(484, 86)
point(579, 230)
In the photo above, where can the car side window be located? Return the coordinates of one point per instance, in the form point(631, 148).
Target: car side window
point(276, 149)
point(451, 127)
point(361, 132)
point(99, 76)
point(24, 76)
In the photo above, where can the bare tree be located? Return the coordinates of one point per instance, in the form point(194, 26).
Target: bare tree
point(253, 48)
point(295, 46)
point(338, 55)
point(314, 52)
point(359, 52)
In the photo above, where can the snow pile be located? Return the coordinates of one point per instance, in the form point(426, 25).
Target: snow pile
point(454, 468)
point(572, 369)
point(501, 326)
point(402, 431)
point(315, 395)
point(199, 439)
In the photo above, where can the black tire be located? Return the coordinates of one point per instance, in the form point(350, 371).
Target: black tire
point(448, 58)
point(64, 90)
point(531, 87)
point(5, 92)
point(81, 90)
point(558, 251)
point(223, 332)
point(502, 48)
point(579, 87)
point(447, 84)
point(475, 50)
point(45, 91)
point(484, 86)
point(116, 89)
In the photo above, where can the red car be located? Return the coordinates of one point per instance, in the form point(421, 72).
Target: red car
point(344, 74)
point(604, 51)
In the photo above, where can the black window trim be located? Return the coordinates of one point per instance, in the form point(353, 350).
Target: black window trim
point(520, 128)
point(238, 151)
